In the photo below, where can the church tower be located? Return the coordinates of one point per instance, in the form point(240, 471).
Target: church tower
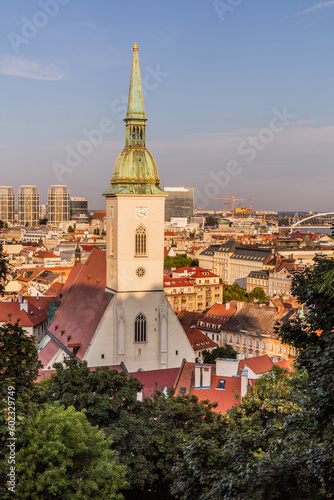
point(146, 333)
point(135, 205)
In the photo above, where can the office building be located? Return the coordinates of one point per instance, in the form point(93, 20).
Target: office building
point(79, 208)
point(179, 203)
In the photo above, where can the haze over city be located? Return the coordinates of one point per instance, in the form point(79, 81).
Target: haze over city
point(239, 98)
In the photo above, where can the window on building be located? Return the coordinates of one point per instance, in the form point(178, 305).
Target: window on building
point(140, 328)
point(140, 241)
point(238, 339)
point(272, 347)
point(244, 341)
point(279, 348)
point(225, 336)
point(257, 344)
point(264, 345)
point(230, 338)
point(250, 343)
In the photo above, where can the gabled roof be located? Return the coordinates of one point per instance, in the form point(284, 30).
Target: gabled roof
point(225, 398)
point(82, 308)
point(10, 313)
point(199, 341)
point(259, 364)
point(156, 379)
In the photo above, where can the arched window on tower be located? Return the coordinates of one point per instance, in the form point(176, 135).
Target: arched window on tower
point(140, 328)
point(140, 241)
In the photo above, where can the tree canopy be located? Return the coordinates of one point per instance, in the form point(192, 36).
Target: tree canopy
point(180, 260)
point(61, 453)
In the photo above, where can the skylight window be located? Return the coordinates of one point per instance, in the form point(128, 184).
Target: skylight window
point(221, 384)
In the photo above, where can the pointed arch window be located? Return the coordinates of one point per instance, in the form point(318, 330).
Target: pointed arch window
point(140, 328)
point(141, 241)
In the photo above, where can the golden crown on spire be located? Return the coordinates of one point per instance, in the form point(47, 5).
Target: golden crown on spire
point(135, 47)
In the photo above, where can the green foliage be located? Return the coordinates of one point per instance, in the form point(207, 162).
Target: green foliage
point(62, 454)
point(70, 229)
point(234, 292)
point(180, 260)
point(19, 367)
point(313, 336)
point(258, 294)
point(226, 351)
point(3, 266)
point(279, 440)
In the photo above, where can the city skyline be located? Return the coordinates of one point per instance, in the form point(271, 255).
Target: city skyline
point(239, 99)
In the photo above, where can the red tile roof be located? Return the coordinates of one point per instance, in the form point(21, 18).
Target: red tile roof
point(199, 341)
point(82, 307)
point(259, 364)
point(224, 397)
point(10, 313)
point(288, 364)
point(156, 379)
point(177, 282)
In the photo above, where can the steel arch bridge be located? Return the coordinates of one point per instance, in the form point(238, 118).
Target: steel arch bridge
point(321, 220)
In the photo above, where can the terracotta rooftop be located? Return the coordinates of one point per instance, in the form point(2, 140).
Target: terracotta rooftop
point(83, 305)
point(156, 379)
point(199, 341)
point(10, 313)
point(259, 364)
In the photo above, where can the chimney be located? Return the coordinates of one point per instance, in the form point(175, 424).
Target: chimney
point(197, 377)
point(20, 297)
point(226, 367)
point(206, 377)
point(227, 306)
point(244, 382)
point(24, 305)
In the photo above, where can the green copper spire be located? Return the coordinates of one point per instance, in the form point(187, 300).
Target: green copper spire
point(135, 101)
point(135, 171)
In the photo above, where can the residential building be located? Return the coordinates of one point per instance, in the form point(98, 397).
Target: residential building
point(58, 204)
point(233, 262)
point(193, 289)
point(28, 205)
point(7, 205)
point(258, 279)
point(224, 383)
point(279, 278)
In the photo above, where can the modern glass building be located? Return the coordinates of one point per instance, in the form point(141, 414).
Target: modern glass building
point(79, 208)
point(179, 203)
point(58, 204)
point(28, 205)
point(7, 204)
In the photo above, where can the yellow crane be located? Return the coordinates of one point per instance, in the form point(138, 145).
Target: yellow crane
point(251, 203)
point(232, 199)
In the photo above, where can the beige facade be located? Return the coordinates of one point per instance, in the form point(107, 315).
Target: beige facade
point(254, 344)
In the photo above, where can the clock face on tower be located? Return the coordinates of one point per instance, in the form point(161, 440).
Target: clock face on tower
point(141, 212)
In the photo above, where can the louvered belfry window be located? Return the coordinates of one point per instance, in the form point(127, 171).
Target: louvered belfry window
point(140, 241)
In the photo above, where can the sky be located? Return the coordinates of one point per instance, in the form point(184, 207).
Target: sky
point(239, 96)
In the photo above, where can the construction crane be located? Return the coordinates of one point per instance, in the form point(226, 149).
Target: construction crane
point(232, 199)
point(251, 203)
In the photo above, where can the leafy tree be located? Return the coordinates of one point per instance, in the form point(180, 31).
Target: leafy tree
point(19, 367)
point(3, 266)
point(70, 229)
point(312, 335)
point(170, 421)
point(226, 351)
point(259, 294)
point(62, 454)
point(234, 292)
point(180, 260)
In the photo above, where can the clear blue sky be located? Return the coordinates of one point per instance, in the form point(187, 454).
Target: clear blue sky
point(218, 76)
